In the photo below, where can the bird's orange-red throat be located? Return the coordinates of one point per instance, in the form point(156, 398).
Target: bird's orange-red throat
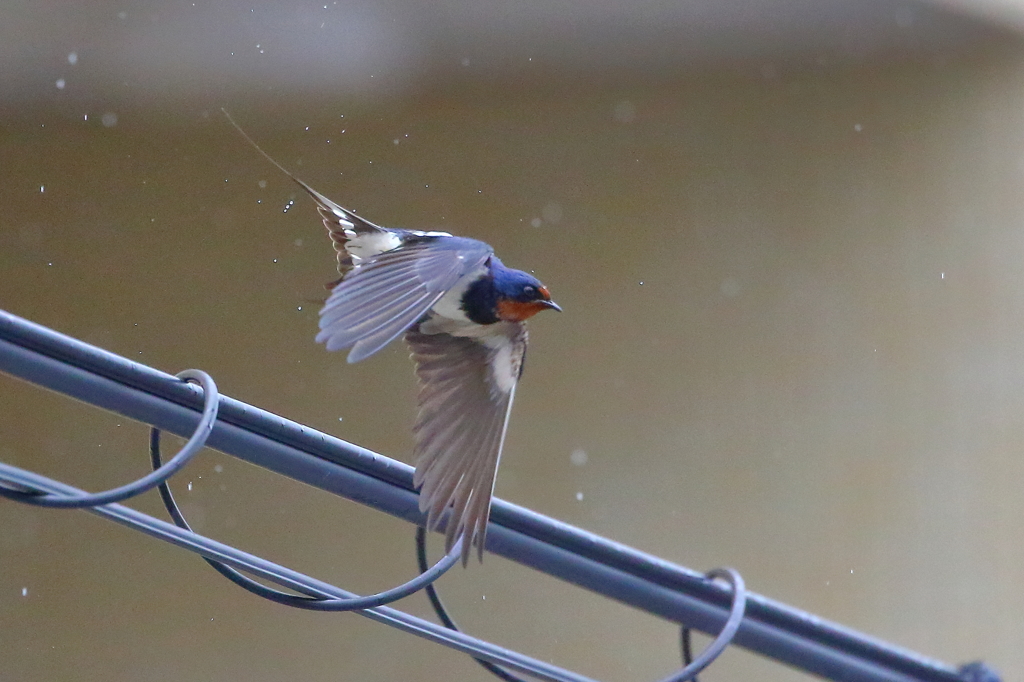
point(516, 311)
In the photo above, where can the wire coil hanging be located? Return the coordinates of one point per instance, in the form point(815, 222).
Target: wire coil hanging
point(27, 491)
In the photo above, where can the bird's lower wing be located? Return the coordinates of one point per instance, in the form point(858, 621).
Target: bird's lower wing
point(386, 295)
point(460, 430)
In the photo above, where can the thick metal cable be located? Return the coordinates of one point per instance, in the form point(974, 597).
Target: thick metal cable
point(35, 486)
point(159, 475)
point(791, 636)
point(158, 478)
point(692, 667)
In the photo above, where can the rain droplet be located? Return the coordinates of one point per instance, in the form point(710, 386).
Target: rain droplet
point(624, 112)
point(72, 58)
point(579, 496)
point(552, 212)
point(109, 119)
point(288, 206)
point(60, 84)
point(578, 457)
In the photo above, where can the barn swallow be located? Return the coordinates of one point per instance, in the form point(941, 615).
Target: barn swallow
point(463, 314)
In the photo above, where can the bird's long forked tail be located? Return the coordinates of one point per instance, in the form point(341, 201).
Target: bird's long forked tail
point(341, 223)
point(312, 192)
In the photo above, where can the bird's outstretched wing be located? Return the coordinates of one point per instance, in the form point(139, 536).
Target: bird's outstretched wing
point(390, 292)
point(466, 391)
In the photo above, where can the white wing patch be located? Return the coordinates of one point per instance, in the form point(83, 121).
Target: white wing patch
point(370, 244)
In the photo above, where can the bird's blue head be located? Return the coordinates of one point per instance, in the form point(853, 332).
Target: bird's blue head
point(520, 295)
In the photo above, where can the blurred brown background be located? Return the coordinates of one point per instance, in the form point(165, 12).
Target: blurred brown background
point(787, 237)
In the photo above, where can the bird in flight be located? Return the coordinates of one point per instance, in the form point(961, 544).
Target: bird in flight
point(464, 316)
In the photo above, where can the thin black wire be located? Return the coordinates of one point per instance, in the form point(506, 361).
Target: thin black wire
point(427, 574)
point(685, 636)
point(728, 632)
point(691, 667)
point(211, 402)
point(162, 472)
point(386, 615)
point(48, 359)
point(442, 612)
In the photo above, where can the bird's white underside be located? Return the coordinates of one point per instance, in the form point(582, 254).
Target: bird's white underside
point(450, 306)
point(504, 372)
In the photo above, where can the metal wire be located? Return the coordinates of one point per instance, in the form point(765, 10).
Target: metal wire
point(725, 637)
point(428, 574)
point(160, 474)
point(686, 645)
point(691, 667)
point(211, 549)
point(442, 613)
point(789, 635)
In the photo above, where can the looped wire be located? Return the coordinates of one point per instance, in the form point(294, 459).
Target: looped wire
point(732, 624)
point(426, 576)
point(692, 667)
point(162, 472)
point(211, 402)
point(158, 479)
point(442, 612)
point(424, 579)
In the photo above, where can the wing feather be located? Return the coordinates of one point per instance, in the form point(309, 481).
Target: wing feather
point(460, 430)
point(387, 294)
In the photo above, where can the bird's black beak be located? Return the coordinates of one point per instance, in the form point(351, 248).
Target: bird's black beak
point(551, 304)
